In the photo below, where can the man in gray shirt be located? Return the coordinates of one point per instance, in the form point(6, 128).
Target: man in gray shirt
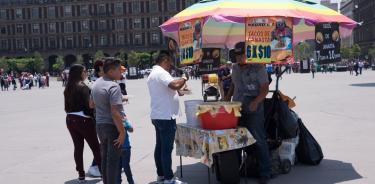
point(250, 87)
point(107, 100)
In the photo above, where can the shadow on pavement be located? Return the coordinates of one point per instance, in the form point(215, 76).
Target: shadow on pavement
point(75, 181)
point(328, 172)
point(363, 85)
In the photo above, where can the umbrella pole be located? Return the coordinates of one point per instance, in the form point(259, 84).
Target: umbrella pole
point(278, 76)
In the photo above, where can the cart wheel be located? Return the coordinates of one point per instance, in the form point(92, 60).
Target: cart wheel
point(205, 98)
point(286, 166)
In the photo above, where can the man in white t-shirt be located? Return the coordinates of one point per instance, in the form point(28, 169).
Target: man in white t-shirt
point(164, 110)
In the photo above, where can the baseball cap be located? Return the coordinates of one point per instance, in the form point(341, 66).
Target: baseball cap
point(239, 48)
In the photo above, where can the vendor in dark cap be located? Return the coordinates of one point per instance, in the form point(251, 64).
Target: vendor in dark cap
point(250, 86)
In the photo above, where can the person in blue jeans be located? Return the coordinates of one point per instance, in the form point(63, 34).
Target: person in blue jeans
point(125, 155)
point(164, 111)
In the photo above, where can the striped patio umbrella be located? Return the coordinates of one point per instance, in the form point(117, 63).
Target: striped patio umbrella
point(224, 20)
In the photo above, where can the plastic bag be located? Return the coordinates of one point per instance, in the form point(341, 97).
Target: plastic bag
point(308, 150)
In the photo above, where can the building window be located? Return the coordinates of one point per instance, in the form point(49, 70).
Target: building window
point(189, 2)
point(3, 45)
point(52, 43)
point(102, 9)
point(68, 11)
point(119, 24)
point(86, 42)
point(85, 25)
point(119, 8)
point(51, 12)
point(69, 42)
point(172, 5)
point(68, 27)
point(153, 6)
point(155, 22)
point(18, 13)
point(138, 39)
point(36, 43)
point(103, 40)
point(137, 23)
point(35, 13)
point(19, 28)
point(155, 39)
point(52, 27)
point(36, 28)
point(102, 25)
point(136, 7)
point(20, 44)
point(3, 14)
point(3, 30)
point(84, 10)
point(120, 39)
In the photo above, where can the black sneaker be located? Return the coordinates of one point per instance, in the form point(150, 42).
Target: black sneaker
point(264, 180)
point(81, 178)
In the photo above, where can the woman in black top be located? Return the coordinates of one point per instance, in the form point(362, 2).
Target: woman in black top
point(79, 119)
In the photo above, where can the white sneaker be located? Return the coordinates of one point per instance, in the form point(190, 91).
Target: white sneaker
point(94, 171)
point(174, 181)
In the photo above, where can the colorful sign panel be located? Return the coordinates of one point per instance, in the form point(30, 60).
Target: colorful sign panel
point(190, 38)
point(327, 43)
point(269, 40)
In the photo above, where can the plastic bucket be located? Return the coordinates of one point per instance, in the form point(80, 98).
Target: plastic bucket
point(191, 107)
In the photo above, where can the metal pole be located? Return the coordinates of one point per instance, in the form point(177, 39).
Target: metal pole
point(181, 166)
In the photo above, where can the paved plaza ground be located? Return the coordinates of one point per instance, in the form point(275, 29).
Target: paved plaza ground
point(338, 109)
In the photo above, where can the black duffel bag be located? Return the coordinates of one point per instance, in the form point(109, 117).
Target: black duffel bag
point(308, 150)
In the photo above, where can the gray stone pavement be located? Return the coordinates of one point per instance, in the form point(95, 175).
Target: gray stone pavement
point(338, 109)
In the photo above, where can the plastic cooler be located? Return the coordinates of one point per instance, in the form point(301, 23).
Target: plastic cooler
point(219, 115)
point(191, 107)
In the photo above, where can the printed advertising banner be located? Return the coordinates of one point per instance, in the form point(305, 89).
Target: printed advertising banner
point(190, 37)
point(269, 40)
point(210, 62)
point(327, 41)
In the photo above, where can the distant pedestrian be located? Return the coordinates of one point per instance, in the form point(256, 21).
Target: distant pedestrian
point(47, 79)
point(360, 66)
point(79, 119)
point(350, 67)
point(356, 67)
point(2, 82)
point(313, 69)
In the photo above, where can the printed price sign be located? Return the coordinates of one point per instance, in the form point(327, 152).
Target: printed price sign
point(190, 37)
point(327, 41)
point(269, 39)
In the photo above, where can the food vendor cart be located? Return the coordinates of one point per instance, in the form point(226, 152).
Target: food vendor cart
point(269, 28)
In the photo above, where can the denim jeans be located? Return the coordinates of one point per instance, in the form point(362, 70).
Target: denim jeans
point(111, 154)
point(254, 122)
point(165, 135)
point(125, 163)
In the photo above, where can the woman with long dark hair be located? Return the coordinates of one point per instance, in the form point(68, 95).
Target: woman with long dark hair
point(79, 119)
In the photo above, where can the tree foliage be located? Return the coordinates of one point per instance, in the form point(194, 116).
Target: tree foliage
point(99, 55)
point(356, 50)
point(371, 52)
point(80, 59)
point(303, 51)
point(59, 65)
